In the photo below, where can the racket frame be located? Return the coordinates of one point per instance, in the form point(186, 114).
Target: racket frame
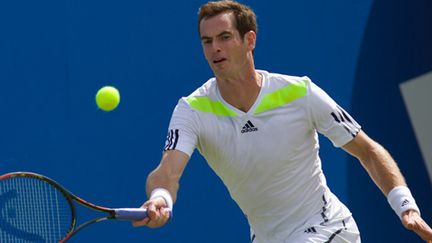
point(70, 197)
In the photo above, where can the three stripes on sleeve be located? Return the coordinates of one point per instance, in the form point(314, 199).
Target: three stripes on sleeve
point(343, 118)
point(172, 139)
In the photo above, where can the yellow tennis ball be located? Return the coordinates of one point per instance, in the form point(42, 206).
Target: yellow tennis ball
point(107, 98)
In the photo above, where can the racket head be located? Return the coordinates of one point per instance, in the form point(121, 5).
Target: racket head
point(34, 208)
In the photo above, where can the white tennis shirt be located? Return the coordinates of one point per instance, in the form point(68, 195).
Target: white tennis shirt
point(267, 157)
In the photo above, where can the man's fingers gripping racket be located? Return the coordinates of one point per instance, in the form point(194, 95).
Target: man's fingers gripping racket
point(157, 213)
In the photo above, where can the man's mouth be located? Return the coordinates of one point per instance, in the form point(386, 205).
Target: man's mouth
point(219, 60)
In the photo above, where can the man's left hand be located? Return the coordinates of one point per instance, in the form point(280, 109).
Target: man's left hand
point(412, 221)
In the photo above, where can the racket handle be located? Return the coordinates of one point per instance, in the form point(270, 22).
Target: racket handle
point(133, 213)
point(130, 213)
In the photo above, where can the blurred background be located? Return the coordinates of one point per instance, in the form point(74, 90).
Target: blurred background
point(373, 57)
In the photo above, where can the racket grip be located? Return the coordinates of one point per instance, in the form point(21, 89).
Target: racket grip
point(130, 213)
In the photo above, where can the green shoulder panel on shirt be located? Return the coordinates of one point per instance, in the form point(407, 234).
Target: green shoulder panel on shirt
point(282, 96)
point(205, 104)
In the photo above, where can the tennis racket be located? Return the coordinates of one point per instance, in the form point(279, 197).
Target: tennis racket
point(35, 208)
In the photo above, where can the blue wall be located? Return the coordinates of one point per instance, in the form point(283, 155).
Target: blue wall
point(54, 55)
point(396, 47)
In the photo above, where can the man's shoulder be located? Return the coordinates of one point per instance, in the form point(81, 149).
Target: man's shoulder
point(207, 89)
point(285, 78)
point(277, 81)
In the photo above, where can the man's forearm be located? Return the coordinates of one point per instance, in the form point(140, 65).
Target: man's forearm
point(158, 179)
point(383, 169)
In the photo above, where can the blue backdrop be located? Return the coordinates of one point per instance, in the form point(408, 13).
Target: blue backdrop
point(55, 55)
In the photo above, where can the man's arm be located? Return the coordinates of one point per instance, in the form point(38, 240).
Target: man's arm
point(377, 161)
point(166, 178)
point(385, 173)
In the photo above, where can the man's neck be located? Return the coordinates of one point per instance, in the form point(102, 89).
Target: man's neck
point(242, 90)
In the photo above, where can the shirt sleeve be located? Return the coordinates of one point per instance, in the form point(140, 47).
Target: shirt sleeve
point(329, 119)
point(182, 130)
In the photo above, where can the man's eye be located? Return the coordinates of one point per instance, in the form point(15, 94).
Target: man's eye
point(225, 37)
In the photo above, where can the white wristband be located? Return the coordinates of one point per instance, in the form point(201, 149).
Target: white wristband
point(401, 200)
point(165, 194)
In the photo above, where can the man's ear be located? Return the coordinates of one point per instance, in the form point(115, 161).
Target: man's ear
point(250, 37)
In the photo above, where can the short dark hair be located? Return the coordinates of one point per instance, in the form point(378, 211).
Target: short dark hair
point(244, 16)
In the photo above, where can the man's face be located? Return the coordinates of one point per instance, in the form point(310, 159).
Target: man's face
point(223, 47)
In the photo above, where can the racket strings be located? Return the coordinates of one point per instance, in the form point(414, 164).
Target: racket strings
point(32, 210)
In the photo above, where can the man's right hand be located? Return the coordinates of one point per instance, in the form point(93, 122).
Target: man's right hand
point(158, 213)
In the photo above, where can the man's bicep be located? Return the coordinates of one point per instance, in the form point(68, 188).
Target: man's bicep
point(329, 119)
point(360, 146)
point(183, 130)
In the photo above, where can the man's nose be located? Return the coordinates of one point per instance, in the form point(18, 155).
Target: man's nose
point(216, 46)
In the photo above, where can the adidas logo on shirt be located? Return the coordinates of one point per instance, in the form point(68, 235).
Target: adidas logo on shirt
point(249, 127)
point(310, 230)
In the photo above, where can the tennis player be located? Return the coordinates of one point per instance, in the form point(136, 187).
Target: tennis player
point(258, 132)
